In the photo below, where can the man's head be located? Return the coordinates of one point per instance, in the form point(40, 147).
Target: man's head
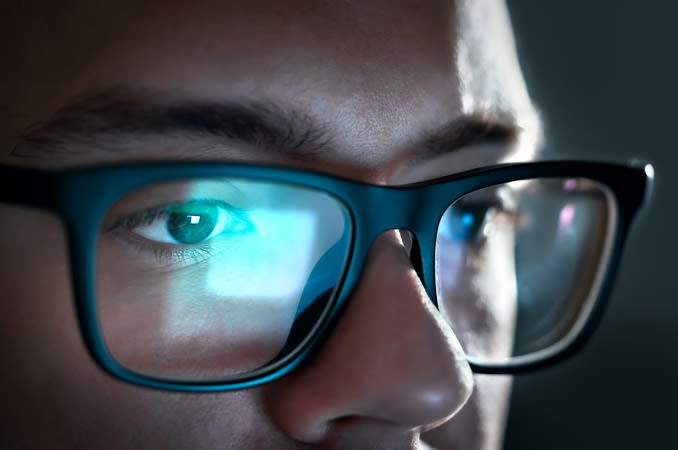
point(383, 92)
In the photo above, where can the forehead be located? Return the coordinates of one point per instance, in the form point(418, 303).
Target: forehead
point(378, 72)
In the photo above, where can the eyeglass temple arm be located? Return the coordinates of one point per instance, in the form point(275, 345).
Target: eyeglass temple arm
point(22, 186)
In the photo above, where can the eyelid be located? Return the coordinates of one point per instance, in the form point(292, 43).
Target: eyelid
point(148, 197)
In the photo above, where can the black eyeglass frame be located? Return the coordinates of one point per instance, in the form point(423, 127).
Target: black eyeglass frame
point(81, 196)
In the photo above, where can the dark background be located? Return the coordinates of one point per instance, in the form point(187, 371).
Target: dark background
point(604, 75)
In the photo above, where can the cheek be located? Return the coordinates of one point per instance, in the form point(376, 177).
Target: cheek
point(37, 317)
point(36, 309)
point(477, 294)
point(170, 323)
point(50, 383)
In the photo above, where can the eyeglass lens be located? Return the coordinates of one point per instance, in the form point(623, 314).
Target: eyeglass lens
point(518, 264)
point(203, 279)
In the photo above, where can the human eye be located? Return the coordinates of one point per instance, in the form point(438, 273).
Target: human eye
point(473, 217)
point(464, 221)
point(182, 231)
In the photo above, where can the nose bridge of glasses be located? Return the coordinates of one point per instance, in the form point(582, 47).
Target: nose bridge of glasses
point(405, 209)
point(391, 208)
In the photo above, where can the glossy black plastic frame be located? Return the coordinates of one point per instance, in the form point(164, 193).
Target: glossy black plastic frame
point(81, 197)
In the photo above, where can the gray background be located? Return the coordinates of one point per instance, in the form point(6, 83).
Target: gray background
point(604, 75)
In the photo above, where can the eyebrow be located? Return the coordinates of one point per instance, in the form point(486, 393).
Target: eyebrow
point(468, 130)
point(120, 114)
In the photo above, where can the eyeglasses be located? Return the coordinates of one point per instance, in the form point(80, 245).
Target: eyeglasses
point(217, 276)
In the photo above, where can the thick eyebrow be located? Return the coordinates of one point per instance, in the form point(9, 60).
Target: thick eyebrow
point(120, 114)
point(123, 116)
point(479, 128)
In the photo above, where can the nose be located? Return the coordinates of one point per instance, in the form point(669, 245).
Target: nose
point(391, 362)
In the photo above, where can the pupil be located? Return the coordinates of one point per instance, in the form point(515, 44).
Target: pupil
point(190, 224)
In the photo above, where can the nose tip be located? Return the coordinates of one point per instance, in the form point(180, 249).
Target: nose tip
point(391, 358)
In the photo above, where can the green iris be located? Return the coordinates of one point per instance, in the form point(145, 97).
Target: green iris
point(190, 223)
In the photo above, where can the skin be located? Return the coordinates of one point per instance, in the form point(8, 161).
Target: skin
point(377, 75)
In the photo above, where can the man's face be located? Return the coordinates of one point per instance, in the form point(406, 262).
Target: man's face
point(382, 79)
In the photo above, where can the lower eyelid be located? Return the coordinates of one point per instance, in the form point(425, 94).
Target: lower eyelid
point(165, 254)
point(193, 255)
point(162, 254)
